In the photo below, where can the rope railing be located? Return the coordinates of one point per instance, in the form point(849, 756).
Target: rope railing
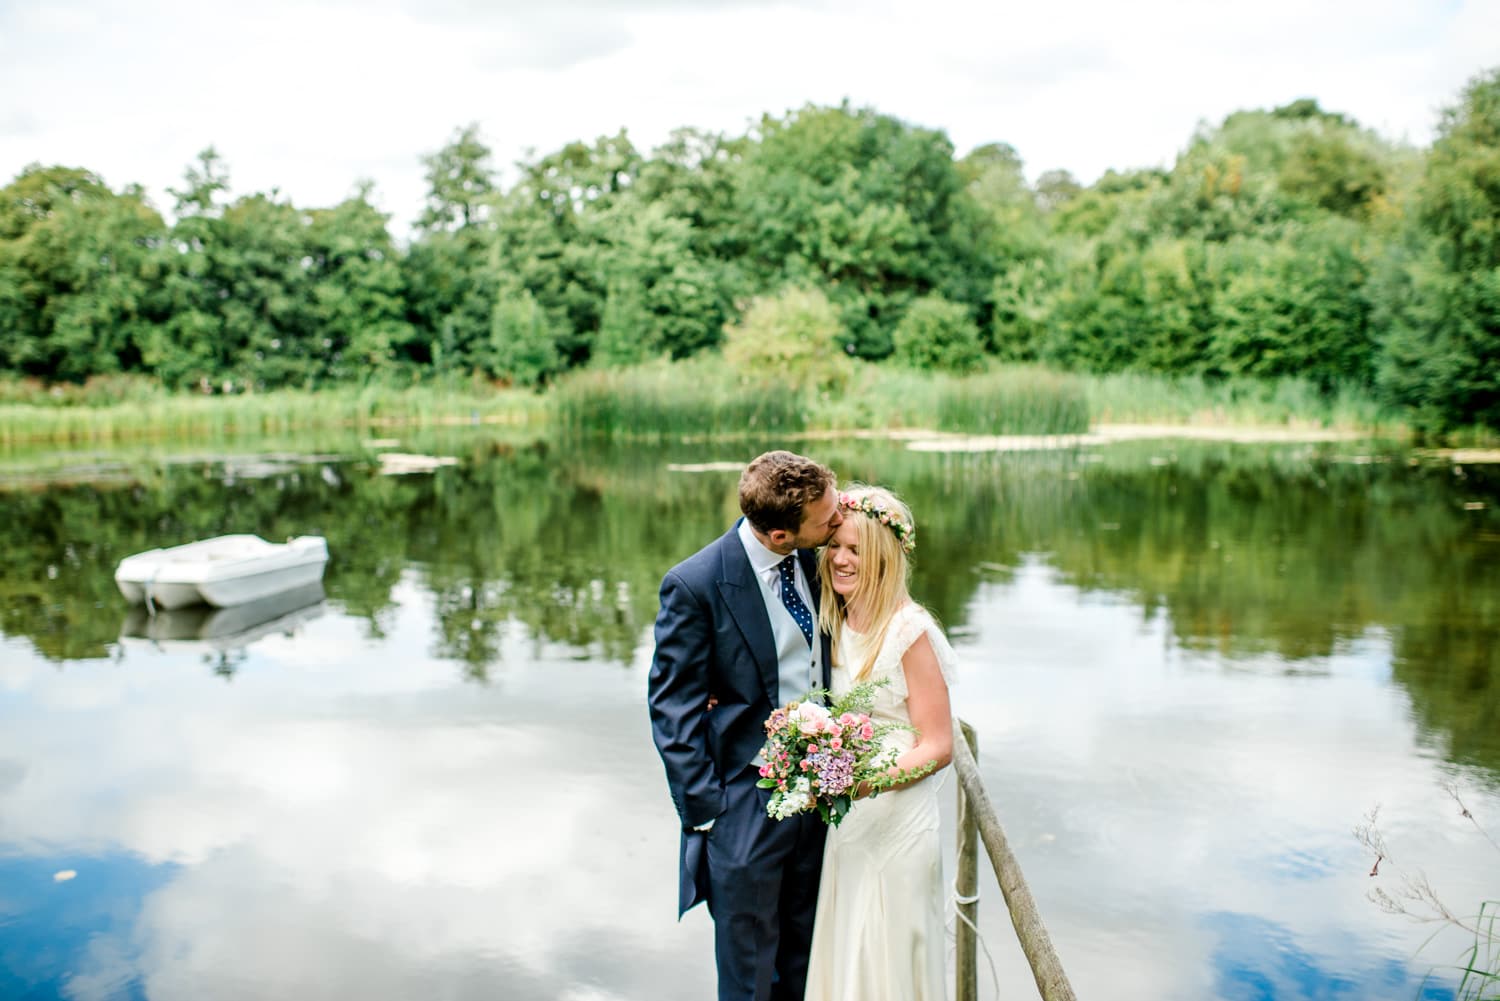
point(977, 821)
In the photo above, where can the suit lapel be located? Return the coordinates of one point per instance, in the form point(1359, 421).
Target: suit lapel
point(741, 594)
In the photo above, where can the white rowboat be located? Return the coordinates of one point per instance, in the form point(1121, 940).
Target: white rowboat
point(223, 571)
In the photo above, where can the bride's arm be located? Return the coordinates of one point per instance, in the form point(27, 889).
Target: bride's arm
point(927, 704)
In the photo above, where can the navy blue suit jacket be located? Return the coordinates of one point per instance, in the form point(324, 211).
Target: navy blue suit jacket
point(713, 637)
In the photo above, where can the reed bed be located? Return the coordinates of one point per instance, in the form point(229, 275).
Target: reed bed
point(1133, 397)
point(705, 397)
point(698, 398)
point(193, 416)
point(1014, 400)
point(695, 398)
point(1017, 399)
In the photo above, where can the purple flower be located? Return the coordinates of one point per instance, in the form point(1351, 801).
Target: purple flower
point(835, 771)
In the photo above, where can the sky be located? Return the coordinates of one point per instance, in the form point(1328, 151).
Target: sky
point(310, 97)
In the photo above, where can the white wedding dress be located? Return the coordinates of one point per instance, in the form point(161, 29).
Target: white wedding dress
point(879, 931)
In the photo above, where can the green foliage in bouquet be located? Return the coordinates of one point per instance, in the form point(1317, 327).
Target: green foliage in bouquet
point(817, 756)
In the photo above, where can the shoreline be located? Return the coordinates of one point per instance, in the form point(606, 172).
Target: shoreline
point(86, 464)
point(1113, 434)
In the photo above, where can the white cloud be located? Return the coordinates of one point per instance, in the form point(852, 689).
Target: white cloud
point(311, 98)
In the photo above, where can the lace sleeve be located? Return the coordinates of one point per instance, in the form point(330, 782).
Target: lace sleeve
point(911, 622)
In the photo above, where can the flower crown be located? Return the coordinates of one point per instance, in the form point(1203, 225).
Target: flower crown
point(905, 532)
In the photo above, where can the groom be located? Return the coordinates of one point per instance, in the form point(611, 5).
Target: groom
point(738, 623)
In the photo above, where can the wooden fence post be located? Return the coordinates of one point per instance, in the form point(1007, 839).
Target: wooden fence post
point(966, 888)
point(1046, 968)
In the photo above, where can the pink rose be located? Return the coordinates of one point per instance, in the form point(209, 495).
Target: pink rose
point(811, 719)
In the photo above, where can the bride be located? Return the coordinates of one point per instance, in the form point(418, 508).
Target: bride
point(879, 934)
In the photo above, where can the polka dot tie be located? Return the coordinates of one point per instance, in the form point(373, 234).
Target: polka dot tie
point(789, 598)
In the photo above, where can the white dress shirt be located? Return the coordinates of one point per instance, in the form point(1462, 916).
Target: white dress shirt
point(799, 667)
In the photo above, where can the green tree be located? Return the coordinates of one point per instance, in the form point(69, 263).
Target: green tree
point(266, 336)
point(1335, 171)
point(693, 176)
point(460, 181)
point(866, 206)
point(189, 348)
point(447, 273)
point(1023, 299)
point(1297, 307)
point(1116, 202)
point(1124, 307)
point(358, 303)
point(1441, 352)
point(657, 283)
point(522, 347)
point(792, 337)
point(551, 241)
point(938, 335)
point(1056, 188)
point(626, 335)
point(995, 182)
point(77, 267)
point(204, 186)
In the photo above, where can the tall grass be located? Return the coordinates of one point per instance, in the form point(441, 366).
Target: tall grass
point(706, 397)
point(161, 415)
point(1016, 399)
point(1134, 397)
point(697, 397)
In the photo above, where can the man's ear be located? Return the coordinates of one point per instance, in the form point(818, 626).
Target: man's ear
point(779, 537)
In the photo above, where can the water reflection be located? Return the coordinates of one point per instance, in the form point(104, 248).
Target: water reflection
point(65, 925)
point(1260, 961)
point(232, 628)
point(1190, 679)
point(347, 819)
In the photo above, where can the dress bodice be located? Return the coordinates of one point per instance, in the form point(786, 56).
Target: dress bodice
point(910, 622)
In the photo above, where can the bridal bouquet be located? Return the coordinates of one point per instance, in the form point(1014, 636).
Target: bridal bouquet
point(816, 756)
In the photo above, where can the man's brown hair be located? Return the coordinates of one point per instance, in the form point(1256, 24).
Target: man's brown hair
point(776, 486)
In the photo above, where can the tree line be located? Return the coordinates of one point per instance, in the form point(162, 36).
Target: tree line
point(1289, 242)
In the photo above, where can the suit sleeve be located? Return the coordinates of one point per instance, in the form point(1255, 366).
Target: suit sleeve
point(678, 698)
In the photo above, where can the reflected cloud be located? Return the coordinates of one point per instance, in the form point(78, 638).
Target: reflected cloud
point(402, 846)
point(1257, 959)
point(1143, 786)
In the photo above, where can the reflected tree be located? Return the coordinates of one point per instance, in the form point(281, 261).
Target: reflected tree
point(1248, 554)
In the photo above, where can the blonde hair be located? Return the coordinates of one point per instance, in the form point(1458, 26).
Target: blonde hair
point(884, 570)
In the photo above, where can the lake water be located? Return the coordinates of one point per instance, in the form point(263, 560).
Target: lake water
point(1194, 669)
